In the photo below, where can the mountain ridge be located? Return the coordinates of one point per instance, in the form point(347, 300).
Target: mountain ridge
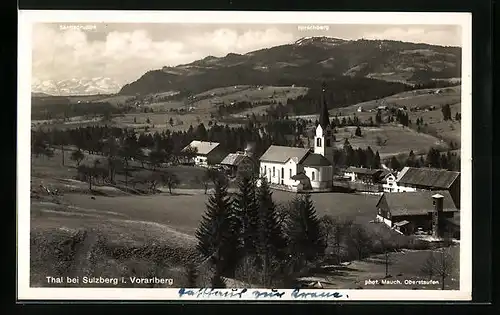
point(306, 59)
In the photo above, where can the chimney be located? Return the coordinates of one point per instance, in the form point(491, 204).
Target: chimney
point(437, 215)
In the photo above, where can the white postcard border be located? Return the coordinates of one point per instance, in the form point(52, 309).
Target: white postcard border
point(28, 18)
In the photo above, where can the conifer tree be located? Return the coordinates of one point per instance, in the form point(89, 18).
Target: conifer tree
point(271, 241)
point(376, 160)
point(305, 238)
point(217, 240)
point(191, 275)
point(395, 165)
point(246, 210)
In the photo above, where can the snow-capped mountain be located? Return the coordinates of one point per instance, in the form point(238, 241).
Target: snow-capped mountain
point(82, 86)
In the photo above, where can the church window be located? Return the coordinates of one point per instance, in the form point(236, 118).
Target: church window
point(282, 172)
point(274, 174)
point(290, 173)
point(318, 142)
point(312, 177)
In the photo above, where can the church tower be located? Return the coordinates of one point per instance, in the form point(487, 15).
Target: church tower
point(323, 140)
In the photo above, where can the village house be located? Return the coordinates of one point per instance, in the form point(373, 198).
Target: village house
point(237, 162)
point(206, 153)
point(409, 212)
point(389, 182)
point(302, 168)
point(363, 175)
point(411, 179)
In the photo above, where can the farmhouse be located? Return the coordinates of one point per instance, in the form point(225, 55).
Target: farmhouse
point(207, 153)
point(389, 183)
point(364, 175)
point(412, 179)
point(302, 168)
point(408, 212)
point(237, 162)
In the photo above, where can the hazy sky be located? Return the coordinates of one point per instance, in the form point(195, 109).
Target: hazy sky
point(124, 52)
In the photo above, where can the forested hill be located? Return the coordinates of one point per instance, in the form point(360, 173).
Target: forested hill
point(358, 64)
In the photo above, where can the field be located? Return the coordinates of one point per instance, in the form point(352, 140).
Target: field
point(135, 222)
point(396, 139)
point(421, 99)
point(198, 109)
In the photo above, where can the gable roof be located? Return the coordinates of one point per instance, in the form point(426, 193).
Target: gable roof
point(233, 159)
point(364, 171)
point(416, 203)
point(315, 159)
point(281, 154)
point(203, 147)
point(428, 177)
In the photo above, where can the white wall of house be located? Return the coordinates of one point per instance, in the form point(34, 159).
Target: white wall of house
point(384, 220)
point(405, 188)
point(320, 176)
point(351, 175)
point(200, 160)
point(280, 173)
point(390, 185)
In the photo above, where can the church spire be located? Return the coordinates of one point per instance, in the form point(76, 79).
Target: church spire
point(324, 117)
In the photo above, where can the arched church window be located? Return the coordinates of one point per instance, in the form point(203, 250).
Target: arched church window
point(318, 142)
point(312, 176)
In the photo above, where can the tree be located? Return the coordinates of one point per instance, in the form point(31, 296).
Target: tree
point(77, 156)
point(394, 164)
point(359, 239)
point(304, 231)
point(247, 211)
point(428, 268)
point(191, 275)
point(171, 180)
point(386, 246)
point(148, 121)
point(358, 132)
point(458, 116)
point(334, 235)
point(444, 265)
point(271, 241)
point(216, 239)
point(446, 110)
point(171, 121)
point(218, 282)
point(376, 161)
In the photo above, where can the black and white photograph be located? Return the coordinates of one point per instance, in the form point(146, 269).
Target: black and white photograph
point(244, 155)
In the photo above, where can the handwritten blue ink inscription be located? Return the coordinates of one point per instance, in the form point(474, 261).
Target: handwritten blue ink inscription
point(296, 294)
point(266, 294)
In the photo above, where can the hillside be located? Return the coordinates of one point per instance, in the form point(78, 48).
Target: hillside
point(305, 62)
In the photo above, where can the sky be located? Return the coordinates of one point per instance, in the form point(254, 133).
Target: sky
point(124, 52)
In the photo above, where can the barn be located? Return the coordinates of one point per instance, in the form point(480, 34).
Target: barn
point(412, 179)
point(409, 212)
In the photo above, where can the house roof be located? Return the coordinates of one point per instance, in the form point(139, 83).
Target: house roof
point(282, 154)
point(416, 203)
point(202, 147)
point(299, 176)
point(364, 171)
point(428, 177)
point(315, 159)
point(233, 159)
point(401, 223)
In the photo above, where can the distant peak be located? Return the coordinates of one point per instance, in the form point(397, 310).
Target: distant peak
point(317, 39)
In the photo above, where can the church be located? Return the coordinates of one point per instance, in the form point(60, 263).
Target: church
point(302, 169)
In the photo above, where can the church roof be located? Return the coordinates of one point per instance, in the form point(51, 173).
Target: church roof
point(324, 117)
point(281, 154)
point(315, 159)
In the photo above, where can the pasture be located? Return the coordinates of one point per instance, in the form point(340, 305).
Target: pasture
point(418, 103)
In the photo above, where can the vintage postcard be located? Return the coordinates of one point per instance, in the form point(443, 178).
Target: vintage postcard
point(274, 156)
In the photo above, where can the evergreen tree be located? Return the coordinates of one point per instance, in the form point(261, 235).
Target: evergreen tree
point(271, 241)
point(358, 132)
point(247, 211)
point(446, 110)
point(217, 281)
point(411, 159)
point(395, 165)
point(378, 118)
point(306, 242)
point(191, 276)
point(216, 235)
point(376, 161)
point(433, 158)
